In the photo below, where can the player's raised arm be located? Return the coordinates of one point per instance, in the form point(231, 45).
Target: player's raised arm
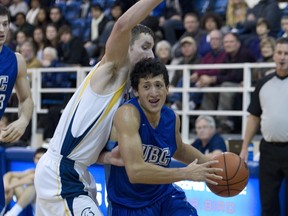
point(118, 43)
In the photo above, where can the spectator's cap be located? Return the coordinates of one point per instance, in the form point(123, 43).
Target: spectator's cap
point(187, 39)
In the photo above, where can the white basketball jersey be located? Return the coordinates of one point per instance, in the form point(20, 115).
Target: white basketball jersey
point(85, 124)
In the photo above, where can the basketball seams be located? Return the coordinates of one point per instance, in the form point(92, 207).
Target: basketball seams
point(234, 165)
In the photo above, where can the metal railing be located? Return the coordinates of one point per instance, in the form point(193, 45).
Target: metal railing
point(246, 89)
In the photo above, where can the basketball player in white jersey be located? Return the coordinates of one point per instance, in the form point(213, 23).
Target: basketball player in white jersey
point(62, 182)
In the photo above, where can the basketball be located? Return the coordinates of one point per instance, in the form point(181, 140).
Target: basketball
point(235, 175)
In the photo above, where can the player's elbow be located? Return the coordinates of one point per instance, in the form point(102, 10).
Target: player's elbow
point(134, 174)
point(121, 25)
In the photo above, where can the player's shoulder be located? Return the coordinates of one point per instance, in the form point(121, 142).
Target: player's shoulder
point(128, 108)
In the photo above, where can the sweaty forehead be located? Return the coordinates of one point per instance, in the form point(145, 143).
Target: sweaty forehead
point(144, 38)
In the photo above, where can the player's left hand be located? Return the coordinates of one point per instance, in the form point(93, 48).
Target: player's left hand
point(115, 158)
point(13, 131)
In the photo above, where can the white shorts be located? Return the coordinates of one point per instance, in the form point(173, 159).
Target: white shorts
point(64, 187)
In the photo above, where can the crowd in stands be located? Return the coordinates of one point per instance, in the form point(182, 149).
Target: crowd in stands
point(74, 33)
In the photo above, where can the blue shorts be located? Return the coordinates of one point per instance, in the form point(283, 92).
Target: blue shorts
point(173, 205)
point(2, 194)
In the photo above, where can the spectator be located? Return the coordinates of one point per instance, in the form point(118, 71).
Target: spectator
point(268, 108)
point(51, 35)
point(267, 9)
point(171, 22)
point(18, 6)
point(215, 56)
point(163, 52)
point(21, 185)
point(208, 141)
point(115, 12)
point(72, 49)
point(50, 59)
point(28, 52)
point(22, 25)
point(236, 53)
point(284, 26)
point(21, 37)
point(33, 12)
point(6, 3)
point(209, 22)
point(98, 23)
point(192, 28)
point(236, 14)
point(42, 18)
point(267, 48)
point(253, 42)
point(39, 41)
point(189, 56)
point(56, 17)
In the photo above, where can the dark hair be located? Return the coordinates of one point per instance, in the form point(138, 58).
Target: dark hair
point(148, 67)
point(5, 12)
point(40, 150)
point(193, 14)
point(282, 40)
point(137, 30)
point(236, 36)
point(96, 6)
point(262, 21)
point(65, 29)
point(210, 15)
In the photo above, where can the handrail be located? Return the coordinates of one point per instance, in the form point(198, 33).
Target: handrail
point(81, 72)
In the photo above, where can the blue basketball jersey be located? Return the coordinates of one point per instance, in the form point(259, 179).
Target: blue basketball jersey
point(8, 75)
point(159, 145)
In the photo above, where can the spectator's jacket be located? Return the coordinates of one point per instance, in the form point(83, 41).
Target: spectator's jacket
point(235, 75)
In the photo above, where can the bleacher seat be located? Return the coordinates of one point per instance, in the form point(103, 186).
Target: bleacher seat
point(220, 6)
point(201, 6)
point(72, 10)
point(62, 6)
point(87, 30)
point(100, 2)
point(77, 26)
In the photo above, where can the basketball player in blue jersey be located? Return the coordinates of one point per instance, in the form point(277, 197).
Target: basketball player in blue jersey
point(63, 184)
point(148, 136)
point(13, 74)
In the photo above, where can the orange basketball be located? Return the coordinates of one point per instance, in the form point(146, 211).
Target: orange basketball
point(235, 175)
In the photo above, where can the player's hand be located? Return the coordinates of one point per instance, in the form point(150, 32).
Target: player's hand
point(13, 131)
point(203, 172)
point(115, 157)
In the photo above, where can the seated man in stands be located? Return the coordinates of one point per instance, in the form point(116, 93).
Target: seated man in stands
point(232, 77)
point(208, 141)
point(21, 184)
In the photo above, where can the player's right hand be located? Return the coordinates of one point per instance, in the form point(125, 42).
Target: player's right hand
point(203, 172)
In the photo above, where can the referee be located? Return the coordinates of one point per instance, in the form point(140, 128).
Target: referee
point(269, 109)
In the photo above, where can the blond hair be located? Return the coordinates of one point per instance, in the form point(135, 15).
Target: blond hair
point(231, 18)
